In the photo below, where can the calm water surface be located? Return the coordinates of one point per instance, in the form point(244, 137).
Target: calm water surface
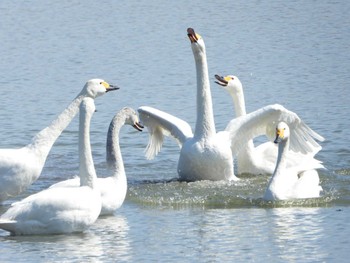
point(294, 53)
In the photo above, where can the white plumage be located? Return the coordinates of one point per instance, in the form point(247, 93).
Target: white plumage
point(19, 168)
point(66, 209)
point(288, 182)
point(207, 155)
point(260, 159)
point(113, 188)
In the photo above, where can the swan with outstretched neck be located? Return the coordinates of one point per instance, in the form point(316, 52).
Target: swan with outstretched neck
point(259, 159)
point(20, 167)
point(287, 182)
point(206, 154)
point(113, 188)
point(63, 209)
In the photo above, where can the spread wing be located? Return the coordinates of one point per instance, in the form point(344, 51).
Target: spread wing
point(160, 124)
point(263, 122)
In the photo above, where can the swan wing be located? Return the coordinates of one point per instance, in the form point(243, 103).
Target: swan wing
point(263, 122)
point(160, 124)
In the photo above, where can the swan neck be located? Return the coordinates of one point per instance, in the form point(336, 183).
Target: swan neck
point(205, 126)
point(240, 110)
point(44, 140)
point(239, 104)
point(113, 154)
point(281, 163)
point(87, 171)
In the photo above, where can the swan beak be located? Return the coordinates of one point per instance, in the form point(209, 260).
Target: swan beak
point(111, 87)
point(279, 135)
point(108, 86)
point(221, 80)
point(192, 35)
point(138, 126)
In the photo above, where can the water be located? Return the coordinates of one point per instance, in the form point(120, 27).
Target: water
point(294, 53)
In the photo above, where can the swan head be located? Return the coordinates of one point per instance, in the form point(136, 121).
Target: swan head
point(230, 83)
point(282, 132)
point(97, 87)
point(131, 118)
point(197, 41)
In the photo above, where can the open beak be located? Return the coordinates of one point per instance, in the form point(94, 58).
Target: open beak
point(192, 35)
point(221, 81)
point(138, 126)
point(112, 87)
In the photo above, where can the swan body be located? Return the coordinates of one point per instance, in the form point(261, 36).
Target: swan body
point(66, 209)
point(113, 188)
point(288, 183)
point(204, 155)
point(259, 159)
point(20, 167)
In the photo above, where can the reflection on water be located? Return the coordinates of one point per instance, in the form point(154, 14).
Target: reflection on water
point(295, 53)
point(293, 230)
point(107, 238)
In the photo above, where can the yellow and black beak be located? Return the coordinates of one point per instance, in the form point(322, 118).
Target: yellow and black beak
point(109, 87)
point(279, 135)
point(223, 81)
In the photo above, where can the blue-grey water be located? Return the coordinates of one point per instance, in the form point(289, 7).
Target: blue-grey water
point(295, 53)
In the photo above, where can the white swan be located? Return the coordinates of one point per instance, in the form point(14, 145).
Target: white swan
point(262, 158)
point(19, 168)
point(113, 188)
point(288, 183)
point(206, 155)
point(62, 209)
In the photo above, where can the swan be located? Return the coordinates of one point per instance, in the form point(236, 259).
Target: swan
point(207, 155)
point(20, 167)
point(113, 188)
point(63, 209)
point(288, 183)
point(204, 155)
point(262, 158)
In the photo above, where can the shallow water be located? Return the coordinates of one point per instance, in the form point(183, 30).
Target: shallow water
point(294, 53)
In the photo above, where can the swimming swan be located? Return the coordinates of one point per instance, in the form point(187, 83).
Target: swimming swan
point(19, 168)
point(206, 155)
point(288, 183)
point(262, 158)
point(62, 209)
point(113, 188)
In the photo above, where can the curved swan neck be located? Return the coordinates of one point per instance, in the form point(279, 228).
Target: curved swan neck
point(43, 141)
point(205, 125)
point(87, 171)
point(113, 154)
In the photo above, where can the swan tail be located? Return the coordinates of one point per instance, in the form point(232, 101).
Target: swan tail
point(8, 225)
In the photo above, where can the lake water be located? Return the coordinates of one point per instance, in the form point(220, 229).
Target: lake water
point(295, 53)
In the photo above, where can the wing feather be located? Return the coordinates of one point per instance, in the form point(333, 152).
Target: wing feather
point(160, 124)
point(259, 122)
